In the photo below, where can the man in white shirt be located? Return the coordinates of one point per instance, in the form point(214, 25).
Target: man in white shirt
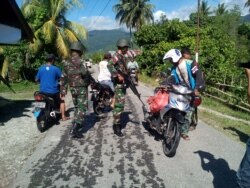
point(104, 76)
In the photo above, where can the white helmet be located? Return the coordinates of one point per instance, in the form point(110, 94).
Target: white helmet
point(174, 54)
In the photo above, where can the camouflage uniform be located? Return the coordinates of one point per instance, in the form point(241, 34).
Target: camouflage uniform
point(120, 88)
point(77, 78)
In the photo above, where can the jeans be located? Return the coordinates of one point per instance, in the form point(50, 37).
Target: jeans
point(109, 83)
point(243, 173)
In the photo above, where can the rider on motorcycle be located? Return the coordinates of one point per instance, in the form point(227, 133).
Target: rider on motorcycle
point(187, 73)
point(104, 76)
point(48, 76)
point(132, 64)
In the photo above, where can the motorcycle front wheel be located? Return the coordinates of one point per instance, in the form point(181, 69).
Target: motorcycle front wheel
point(171, 138)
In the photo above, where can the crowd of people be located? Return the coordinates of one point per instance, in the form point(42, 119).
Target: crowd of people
point(75, 77)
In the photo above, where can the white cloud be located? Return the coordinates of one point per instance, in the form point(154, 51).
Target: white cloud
point(99, 23)
point(231, 3)
point(182, 13)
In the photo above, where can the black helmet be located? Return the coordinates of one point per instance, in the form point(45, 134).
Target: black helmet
point(107, 56)
point(77, 46)
point(50, 57)
point(122, 43)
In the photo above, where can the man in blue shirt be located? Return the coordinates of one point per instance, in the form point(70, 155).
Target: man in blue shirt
point(48, 76)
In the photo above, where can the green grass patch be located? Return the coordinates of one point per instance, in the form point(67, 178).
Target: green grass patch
point(236, 130)
point(149, 81)
point(24, 90)
point(222, 108)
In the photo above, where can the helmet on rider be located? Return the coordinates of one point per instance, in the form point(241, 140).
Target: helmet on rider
point(174, 55)
point(77, 46)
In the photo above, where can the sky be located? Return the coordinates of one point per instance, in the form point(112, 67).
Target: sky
point(99, 15)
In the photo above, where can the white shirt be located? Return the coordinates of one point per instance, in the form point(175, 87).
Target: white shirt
point(104, 73)
point(183, 68)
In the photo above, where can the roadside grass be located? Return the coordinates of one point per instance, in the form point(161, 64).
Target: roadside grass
point(24, 90)
point(235, 129)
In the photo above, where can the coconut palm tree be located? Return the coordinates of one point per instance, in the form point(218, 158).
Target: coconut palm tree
point(205, 9)
point(134, 13)
point(54, 29)
point(247, 4)
point(221, 9)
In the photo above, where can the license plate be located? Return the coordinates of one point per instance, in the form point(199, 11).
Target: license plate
point(39, 104)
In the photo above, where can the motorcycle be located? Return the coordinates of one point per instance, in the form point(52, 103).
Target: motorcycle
point(168, 120)
point(132, 73)
point(45, 111)
point(101, 97)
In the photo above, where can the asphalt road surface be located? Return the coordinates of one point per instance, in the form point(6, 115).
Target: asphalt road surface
point(101, 159)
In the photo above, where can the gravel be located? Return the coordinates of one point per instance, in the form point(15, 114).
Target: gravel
point(19, 137)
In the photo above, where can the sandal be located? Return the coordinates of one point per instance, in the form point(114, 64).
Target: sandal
point(185, 137)
point(191, 128)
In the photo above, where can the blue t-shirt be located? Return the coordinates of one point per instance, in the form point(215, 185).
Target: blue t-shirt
point(48, 77)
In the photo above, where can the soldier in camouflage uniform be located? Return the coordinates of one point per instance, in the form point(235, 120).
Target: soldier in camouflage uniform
point(76, 77)
point(122, 54)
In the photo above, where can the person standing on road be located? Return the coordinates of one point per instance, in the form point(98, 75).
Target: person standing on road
point(120, 58)
point(76, 77)
point(185, 72)
point(243, 173)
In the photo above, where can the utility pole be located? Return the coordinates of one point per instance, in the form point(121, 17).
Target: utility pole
point(197, 33)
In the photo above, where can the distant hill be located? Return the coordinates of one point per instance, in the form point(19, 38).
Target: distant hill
point(246, 18)
point(104, 40)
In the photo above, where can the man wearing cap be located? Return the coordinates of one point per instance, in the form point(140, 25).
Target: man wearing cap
point(76, 76)
point(48, 76)
point(120, 58)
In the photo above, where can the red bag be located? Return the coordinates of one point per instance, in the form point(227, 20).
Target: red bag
point(158, 101)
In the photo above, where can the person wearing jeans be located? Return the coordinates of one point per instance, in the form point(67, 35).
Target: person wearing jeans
point(243, 173)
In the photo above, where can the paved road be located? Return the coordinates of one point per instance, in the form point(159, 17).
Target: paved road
point(101, 159)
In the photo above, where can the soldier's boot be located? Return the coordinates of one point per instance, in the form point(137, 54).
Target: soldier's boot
point(74, 131)
point(117, 130)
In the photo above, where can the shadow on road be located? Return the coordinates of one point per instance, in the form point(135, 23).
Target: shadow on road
point(242, 136)
point(13, 109)
point(152, 132)
point(125, 119)
point(224, 177)
point(89, 122)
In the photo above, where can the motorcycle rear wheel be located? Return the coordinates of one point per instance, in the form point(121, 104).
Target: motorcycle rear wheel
point(41, 122)
point(171, 138)
point(97, 109)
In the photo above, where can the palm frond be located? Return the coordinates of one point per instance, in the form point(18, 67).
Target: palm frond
point(5, 67)
point(58, 7)
point(78, 29)
point(61, 45)
point(49, 31)
point(70, 35)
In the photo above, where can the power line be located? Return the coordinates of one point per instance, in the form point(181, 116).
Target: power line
point(92, 8)
point(102, 11)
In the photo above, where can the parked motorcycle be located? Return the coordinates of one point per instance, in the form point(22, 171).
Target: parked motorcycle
point(132, 73)
point(101, 97)
point(45, 111)
point(168, 120)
